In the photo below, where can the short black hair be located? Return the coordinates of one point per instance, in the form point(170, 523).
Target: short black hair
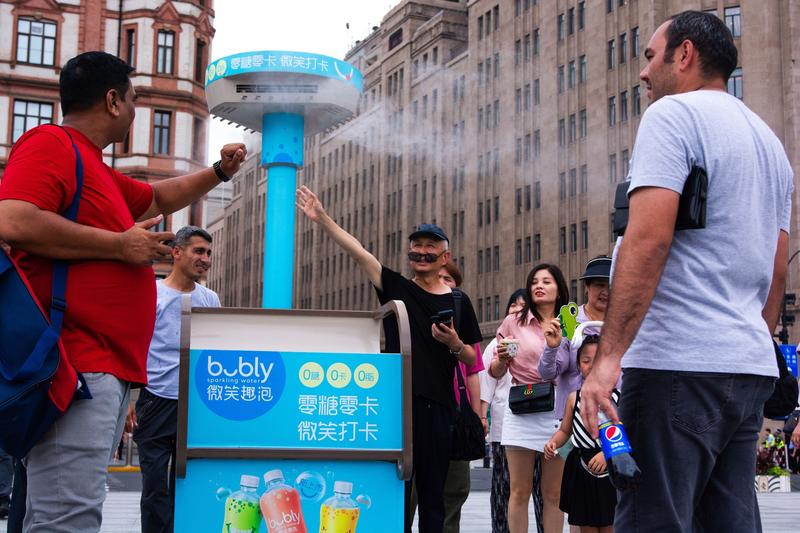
point(587, 340)
point(87, 77)
point(710, 36)
point(516, 295)
point(184, 235)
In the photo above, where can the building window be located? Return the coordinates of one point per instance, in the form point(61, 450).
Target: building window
point(517, 52)
point(581, 15)
point(480, 261)
point(573, 182)
point(198, 144)
point(560, 79)
point(518, 201)
point(480, 309)
point(161, 130)
point(562, 132)
point(735, 83)
point(29, 114)
point(573, 129)
point(130, 46)
point(496, 65)
point(573, 238)
point(636, 102)
point(496, 259)
point(537, 246)
point(625, 163)
point(612, 168)
point(571, 21)
point(518, 252)
point(537, 93)
point(571, 75)
point(623, 48)
point(612, 50)
point(537, 194)
point(526, 49)
point(396, 38)
point(733, 19)
point(635, 42)
point(36, 41)
point(612, 111)
point(584, 179)
point(623, 106)
point(527, 97)
point(497, 307)
point(562, 186)
point(582, 69)
point(199, 61)
point(584, 123)
point(561, 26)
point(537, 143)
point(536, 42)
point(165, 53)
point(584, 234)
point(562, 240)
point(528, 252)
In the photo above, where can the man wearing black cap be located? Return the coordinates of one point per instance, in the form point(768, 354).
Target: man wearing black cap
point(435, 346)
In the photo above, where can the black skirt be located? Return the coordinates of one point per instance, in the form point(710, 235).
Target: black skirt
point(588, 500)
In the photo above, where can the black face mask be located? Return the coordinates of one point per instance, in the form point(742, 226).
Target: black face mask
point(423, 258)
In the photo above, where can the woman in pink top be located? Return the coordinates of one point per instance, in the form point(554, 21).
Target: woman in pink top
point(525, 435)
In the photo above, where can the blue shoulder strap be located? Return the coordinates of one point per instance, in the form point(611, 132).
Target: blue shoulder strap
point(58, 305)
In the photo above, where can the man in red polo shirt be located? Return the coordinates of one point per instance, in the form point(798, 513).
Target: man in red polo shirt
point(111, 292)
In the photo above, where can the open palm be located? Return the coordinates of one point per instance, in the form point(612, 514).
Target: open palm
point(308, 202)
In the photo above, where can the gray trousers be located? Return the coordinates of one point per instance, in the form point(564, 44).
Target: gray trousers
point(67, 470)
point(694, 438)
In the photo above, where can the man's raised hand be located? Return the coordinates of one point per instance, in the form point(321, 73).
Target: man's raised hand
point(140, 246)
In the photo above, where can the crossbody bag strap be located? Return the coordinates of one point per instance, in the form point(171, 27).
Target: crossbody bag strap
point(58, 302)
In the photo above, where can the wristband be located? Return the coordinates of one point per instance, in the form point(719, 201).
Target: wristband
point(220, 174)
point(458, 352)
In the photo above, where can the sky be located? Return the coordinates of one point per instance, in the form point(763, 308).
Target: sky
point(316, 26)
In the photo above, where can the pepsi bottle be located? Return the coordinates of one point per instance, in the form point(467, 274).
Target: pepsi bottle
point(622, 468)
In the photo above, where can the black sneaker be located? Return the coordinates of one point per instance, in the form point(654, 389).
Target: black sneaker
point(5, 506)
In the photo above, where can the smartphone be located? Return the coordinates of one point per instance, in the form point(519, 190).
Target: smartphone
point(443, 317)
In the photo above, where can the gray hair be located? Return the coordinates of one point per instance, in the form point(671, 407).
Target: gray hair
point(184, 235)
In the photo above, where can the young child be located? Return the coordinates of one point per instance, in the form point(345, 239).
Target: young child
point(587, 495)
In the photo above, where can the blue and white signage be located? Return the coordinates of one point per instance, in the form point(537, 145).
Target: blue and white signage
point(294, 400)
point(789, 352)
point(283, 61)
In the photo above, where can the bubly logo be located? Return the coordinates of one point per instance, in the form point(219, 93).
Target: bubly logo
point(239, 385)
point(287, 519)
point(243, 369)
point(613, 434)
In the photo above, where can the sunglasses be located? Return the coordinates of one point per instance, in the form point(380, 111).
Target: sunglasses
point(424, 258)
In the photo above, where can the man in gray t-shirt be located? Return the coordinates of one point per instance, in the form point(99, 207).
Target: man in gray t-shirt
point(157, 407)
point(693, 311)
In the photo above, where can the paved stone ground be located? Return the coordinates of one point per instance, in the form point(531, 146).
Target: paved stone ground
point(780, 512)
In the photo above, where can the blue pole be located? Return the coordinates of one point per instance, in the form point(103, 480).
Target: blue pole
point(282, 155)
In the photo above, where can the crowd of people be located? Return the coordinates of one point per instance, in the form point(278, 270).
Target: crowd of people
point(694, 327)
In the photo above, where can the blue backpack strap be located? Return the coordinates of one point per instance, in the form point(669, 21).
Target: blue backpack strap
point(58, 305)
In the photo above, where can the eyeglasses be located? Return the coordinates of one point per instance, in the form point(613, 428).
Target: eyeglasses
point(424, 258)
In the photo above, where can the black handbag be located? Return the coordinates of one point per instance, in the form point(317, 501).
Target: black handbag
point(532, 398)
point(469, 442)
point(784, 397)
point(468, 438)
point(691, 207)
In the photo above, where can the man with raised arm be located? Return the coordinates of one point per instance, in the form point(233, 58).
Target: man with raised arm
point(111, 291)
point(435, 346)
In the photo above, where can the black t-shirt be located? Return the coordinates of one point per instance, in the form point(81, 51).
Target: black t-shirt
point(433, 367)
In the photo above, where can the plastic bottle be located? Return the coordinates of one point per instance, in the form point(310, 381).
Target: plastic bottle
point(280, 505)
point(242, 514)
point(622, 468)
point(339, 513)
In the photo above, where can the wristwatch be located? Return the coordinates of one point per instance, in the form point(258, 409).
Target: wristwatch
point(220, 174)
